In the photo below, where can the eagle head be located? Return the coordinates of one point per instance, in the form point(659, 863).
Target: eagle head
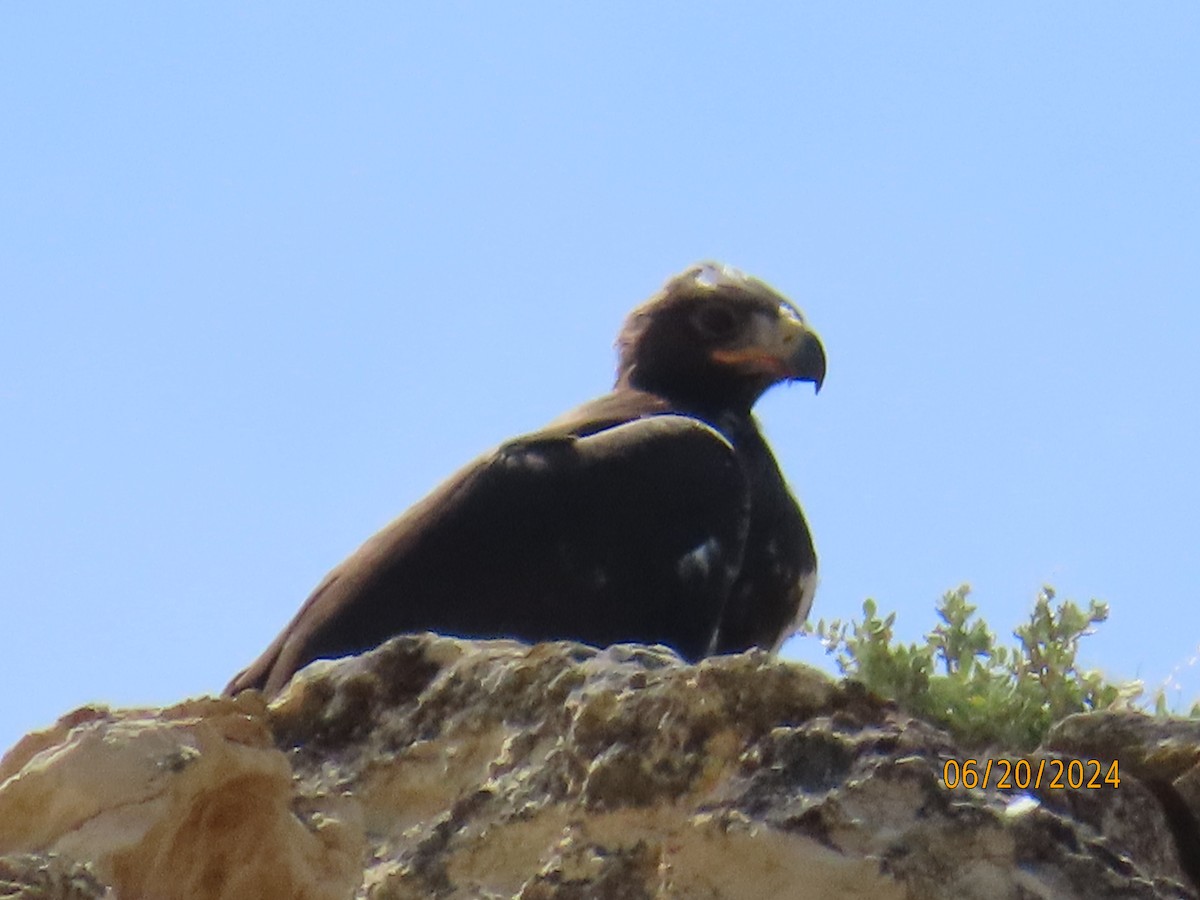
point(716, 337)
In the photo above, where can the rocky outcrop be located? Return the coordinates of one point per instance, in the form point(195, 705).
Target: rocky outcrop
point(434, 767)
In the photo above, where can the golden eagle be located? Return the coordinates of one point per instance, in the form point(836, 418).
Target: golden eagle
point(655, 513)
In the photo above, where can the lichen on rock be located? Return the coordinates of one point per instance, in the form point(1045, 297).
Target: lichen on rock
point(436, 767)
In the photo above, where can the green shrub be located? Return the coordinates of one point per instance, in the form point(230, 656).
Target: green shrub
point(960, 678)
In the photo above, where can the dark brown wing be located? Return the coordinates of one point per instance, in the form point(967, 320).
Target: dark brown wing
point(596, 529)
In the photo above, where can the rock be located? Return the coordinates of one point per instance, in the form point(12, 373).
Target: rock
point(1164, 756)
point(31, 876)
point(190, 801)
point(435, 767)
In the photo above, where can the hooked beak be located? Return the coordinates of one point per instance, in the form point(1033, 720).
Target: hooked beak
point(807, 359)
point(782, 347)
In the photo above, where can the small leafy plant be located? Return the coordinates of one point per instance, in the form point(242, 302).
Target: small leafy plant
point(984, 693)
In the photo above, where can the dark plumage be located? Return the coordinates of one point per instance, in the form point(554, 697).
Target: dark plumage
point(655, 513)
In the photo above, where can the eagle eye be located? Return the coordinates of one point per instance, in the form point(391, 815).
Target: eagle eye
point(715, 320)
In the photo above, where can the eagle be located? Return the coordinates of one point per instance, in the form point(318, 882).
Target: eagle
point(653, 514)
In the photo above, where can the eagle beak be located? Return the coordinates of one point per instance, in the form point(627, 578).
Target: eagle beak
point(806, 359)
point(781, 346)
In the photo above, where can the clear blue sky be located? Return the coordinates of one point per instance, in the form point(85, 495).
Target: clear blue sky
point(269, 271)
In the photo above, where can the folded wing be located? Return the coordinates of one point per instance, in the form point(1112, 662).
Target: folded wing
point(634, 532)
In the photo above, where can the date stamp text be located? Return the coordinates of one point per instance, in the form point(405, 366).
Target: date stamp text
point(1024, 774)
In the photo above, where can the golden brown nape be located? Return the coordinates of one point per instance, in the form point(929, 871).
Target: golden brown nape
point(653, 514)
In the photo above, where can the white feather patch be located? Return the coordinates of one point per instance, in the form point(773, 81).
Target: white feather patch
point(806, 590)
point(698, 562)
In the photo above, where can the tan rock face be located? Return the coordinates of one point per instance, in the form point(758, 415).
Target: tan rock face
point(433, 767)
point(190, 801)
